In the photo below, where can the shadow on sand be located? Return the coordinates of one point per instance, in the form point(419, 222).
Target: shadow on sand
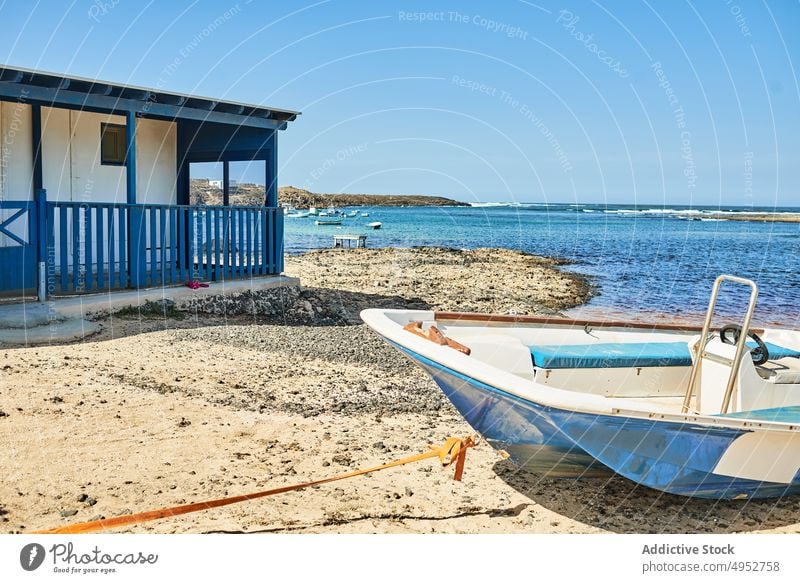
point(618, 505)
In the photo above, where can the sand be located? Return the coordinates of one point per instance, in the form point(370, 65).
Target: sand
point(156, 412)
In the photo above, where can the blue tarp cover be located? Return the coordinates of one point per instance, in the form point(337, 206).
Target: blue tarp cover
point(778, 414)
point(612, 355)
point(628, 354)
point(777, 352)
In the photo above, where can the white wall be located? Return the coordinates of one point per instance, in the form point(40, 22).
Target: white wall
point(71, 169)
point(56, 165)
point(156, 161)
point(71, 159)
point(16, 165)
point(16, 152)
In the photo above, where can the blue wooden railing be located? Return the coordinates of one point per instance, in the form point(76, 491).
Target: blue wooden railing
point(101, 246)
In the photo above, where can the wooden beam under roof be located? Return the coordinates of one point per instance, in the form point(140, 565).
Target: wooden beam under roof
point(10, 76)
point(230, 108)
point(170, 99)
point(135, 94)
point(198, 103)
point(49, 81)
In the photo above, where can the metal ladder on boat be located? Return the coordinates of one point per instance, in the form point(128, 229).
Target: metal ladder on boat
point(705, 337)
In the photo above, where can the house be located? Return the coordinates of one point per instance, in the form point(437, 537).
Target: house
point(218, 183)
point(94, 186)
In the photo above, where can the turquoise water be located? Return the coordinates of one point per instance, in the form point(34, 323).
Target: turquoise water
point(643, 262)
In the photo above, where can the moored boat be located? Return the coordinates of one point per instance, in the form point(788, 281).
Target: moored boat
point(325, 220)
point(375, 225)
point(682, 409)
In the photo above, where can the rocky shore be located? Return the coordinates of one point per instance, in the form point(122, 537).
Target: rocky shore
point(178, 403)
point(204, 192)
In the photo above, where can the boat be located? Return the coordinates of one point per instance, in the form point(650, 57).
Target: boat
point(329, 220)
point(364, 214)
point(375, 225)
point(298, 215)
point(689, 410)
point(352, 214)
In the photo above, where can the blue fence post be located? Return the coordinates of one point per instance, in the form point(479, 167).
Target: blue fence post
point(279, 242)
point(137, 241)
point(130, 156)
point(41, 243)
point(191, 229)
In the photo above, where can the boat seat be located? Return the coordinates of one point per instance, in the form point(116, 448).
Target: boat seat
point(612, 355)
point(778, 352)
point(783, 372)
point(642, 354)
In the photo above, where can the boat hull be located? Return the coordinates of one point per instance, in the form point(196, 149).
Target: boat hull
point(679, 458)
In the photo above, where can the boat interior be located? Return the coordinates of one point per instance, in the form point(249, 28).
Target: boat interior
point(731, 371)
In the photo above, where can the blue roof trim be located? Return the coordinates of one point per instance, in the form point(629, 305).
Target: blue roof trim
point(92, 95)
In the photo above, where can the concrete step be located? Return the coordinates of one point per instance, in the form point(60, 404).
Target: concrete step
point(56, 332)
point(27, 315)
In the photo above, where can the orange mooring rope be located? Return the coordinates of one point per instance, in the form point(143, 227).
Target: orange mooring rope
point(453, 450)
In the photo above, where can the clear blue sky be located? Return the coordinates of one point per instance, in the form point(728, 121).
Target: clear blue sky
point(666, 102)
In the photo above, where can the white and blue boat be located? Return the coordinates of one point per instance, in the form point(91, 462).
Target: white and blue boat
point(688, 410)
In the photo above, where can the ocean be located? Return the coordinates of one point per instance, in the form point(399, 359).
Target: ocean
point(644, 262)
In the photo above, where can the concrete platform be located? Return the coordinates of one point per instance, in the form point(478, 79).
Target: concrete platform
point(64, 319)
point(56, 332)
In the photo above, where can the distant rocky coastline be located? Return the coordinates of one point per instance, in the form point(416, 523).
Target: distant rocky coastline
point(301, 198)
point(753, 217)
point(205, 192)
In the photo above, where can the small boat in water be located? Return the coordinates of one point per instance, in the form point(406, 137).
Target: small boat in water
point(375, 225)
point(324, 220)
point(682, 409)
point(364, 214)
point(298, 215)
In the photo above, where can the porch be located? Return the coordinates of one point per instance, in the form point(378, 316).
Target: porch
point(100, 246)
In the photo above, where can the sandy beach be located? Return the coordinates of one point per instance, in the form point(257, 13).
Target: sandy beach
point(207, 401)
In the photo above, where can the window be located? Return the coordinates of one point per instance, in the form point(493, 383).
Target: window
point(112, 144)
point(247, 183)
point(205, 183)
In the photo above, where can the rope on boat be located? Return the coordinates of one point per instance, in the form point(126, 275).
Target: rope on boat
point(452, 451)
